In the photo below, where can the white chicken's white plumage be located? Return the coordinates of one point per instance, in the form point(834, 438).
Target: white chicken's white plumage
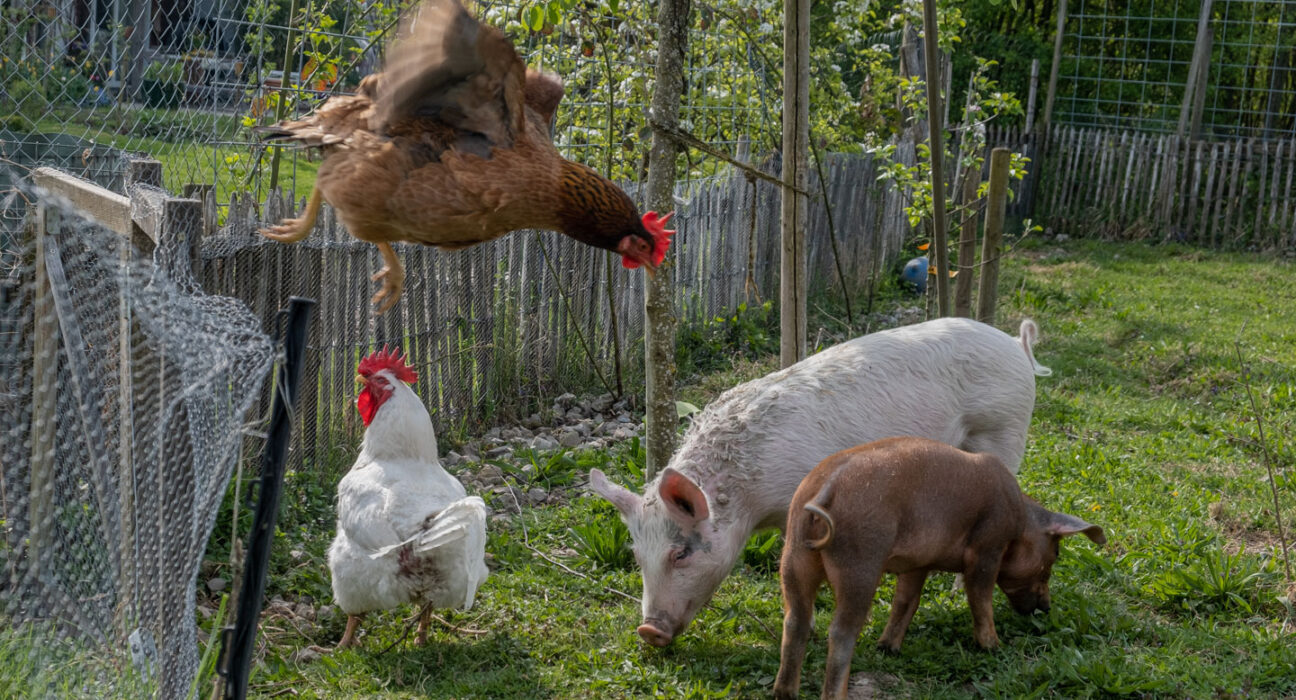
point(406, 531)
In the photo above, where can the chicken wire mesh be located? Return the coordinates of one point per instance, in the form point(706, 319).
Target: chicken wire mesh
point(1127, 64)
point(123, 392)
point(188, 89)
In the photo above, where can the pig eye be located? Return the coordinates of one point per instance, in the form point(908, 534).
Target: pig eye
point(681, 554)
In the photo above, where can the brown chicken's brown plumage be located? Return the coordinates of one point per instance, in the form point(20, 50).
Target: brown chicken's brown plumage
point(450, 146)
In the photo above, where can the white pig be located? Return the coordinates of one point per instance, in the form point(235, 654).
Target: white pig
point(953, 380)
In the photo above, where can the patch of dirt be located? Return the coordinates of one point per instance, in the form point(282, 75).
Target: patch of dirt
point(1242, 536)
point(866, 686)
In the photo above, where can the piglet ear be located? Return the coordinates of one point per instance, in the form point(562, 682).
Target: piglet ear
point(1064, 525)
point(625, 500)
point(684, 500)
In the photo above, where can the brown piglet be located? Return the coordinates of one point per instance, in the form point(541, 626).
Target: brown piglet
point(909, 506)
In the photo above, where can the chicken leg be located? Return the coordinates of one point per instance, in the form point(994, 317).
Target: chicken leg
point(294, 230)
point(348, 638)
point(392, 276)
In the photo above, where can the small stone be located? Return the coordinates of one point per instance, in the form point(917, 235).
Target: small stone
point(1062, 238)
point(497, 452)
point(304, 611)
point(537, 496)
point(490, 471)
point(543, 443)
point(574, 415)
point(564, 402)
point(602, 403)
point(623, 417)
point(326, 613)
point(585, 427)
point(492, 433)
point(305, 655)
point(296, 554)
point(452, 459)
point(569, 438)
point(205, 612)
point(500, 518)
point(533, 421)
point(216, 585)
point(623, 433)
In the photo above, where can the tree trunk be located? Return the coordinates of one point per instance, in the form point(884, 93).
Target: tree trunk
point(940, 234)
point(661, 419)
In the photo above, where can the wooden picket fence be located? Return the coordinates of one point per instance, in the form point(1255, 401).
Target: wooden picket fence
point(1238, 194)
point(497, 330)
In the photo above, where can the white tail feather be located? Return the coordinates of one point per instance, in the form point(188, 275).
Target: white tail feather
point(450, 525)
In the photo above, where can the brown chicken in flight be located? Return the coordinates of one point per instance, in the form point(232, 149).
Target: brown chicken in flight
point(450, 146)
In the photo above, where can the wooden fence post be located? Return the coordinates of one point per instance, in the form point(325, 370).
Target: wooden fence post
point(796, 148)
point(1057, 64)
point(992, 244)
point(45, 343)
point(1197, 69)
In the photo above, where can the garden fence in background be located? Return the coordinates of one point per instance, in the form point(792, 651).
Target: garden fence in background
point(1118, 184)
point(187, 90)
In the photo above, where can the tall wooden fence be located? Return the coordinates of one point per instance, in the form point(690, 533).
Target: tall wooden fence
point(1238, 194)
point(498, 329)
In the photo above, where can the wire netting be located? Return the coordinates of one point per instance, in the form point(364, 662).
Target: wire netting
point(1126, 64)
point(188, 89)
point(124, 393)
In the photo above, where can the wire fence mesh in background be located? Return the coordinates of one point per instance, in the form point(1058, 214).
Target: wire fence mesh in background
point(187, 89)
point(123, 396)
point(1125, 64)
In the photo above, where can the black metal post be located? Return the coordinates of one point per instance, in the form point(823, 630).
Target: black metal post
point(238, 641)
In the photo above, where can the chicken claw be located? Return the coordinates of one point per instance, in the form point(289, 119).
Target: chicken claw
point(293, 230)
point(393, 279)
point(289, 231)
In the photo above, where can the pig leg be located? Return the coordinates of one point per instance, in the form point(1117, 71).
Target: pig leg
point(909, 588)
point(801, 577)
point(979, 581)
point(853, 587)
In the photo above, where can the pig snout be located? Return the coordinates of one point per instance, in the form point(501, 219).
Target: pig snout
point(1028, 601)
point(655, 632)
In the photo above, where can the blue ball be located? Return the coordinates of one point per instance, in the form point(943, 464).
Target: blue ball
point(915, 272)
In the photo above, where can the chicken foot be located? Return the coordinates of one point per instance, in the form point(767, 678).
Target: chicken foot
point(349, 637)
point(393, 279)
point(294, 230)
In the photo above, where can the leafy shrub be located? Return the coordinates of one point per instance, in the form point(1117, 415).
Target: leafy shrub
point(711, 345)
point(604, 542)
point(1216, 582)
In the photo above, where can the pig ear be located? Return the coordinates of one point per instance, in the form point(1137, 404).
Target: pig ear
point(625, 500)
point(1064, 525)
point(684, 500)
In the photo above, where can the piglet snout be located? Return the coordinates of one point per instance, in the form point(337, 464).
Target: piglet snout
point(652, 633)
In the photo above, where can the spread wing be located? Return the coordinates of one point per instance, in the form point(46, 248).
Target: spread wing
point(447, 66)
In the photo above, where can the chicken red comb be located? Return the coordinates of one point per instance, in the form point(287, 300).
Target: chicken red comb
point(656, 227)
point(389, 360)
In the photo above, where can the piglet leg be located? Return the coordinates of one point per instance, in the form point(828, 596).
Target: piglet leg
point(853, 588)
point(800, 581)
point(979, 581)
point(909, 588)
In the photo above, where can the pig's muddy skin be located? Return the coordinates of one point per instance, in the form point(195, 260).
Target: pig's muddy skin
point(953, 380)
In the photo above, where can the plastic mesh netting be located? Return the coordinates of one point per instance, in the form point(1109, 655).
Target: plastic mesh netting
point(123, 395)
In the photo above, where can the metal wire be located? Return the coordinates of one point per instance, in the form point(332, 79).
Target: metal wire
point(1125, 64)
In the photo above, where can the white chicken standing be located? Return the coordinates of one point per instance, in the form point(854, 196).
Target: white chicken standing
point(406, 532)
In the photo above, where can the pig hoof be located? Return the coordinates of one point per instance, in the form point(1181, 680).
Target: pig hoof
point(888, 649)
point(654, 636)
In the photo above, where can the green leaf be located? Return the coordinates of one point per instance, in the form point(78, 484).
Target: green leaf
point(685, 409)
point(535, 18)
point(555, 12)
point(613, 6)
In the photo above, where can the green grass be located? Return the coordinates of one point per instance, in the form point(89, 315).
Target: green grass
point(1144, 428)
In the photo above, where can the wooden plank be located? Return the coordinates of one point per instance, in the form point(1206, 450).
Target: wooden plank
point(1206, 229)
point(1226, 227)
point(110, 209)
point(1258, 228)
point(44, 397)
point(1288, 217)
point(992, 243)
